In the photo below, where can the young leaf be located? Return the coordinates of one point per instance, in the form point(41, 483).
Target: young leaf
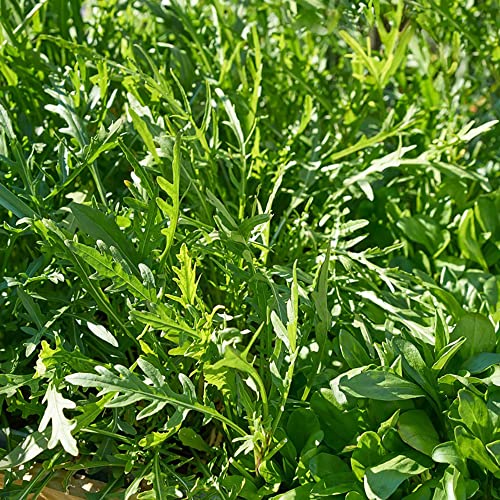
point(186, 276)
point(447, 453)
point(171, 209)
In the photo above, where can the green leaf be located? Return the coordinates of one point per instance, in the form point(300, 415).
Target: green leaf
point(487, 215)
point(447, 453)
point(65, 108)
point(468, 133)
point(494, 450)
point(171, 209)
point(107, 267)
point(474, 414)
point(234, 122)
point(352, 351)
point(416, 429)
point(332, 474)
point(447, 353)
point(300, 493)
point(9, 384)
point(301, 426)
point(160, 319)
point(280, 330)
point(103, 141)
point(6, 123)
point(32, 446)
point(380, 385)
point(473, 449)
point(382, 480)
point(452, 486)
point(369, 452)
point(339, 427)
point(479, 333)
point(11, 202)
point(186, 276)
point(415, 366)
point(132, 389)
point(101, 227)
point(481, 362)
point(368, 61)
point(136, 111)
point(423, 230)
point(192, 439)
point(467, 239)
point(292, 308)
point(233, 359)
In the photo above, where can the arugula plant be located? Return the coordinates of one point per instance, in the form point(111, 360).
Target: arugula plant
point(250, 250)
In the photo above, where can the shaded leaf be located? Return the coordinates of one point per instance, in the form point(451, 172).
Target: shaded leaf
point(415, 429)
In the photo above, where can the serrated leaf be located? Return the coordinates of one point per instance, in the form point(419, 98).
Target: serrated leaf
point(109, 268)
point(186, 276)
point(61, 426)
point(131, 387)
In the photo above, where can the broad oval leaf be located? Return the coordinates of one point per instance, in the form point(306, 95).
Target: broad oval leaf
point(380, 385)
point(416, 430)
point(384, 479)
point(478, 331)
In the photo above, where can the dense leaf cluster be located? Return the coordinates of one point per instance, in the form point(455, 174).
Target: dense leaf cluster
point(251, 249)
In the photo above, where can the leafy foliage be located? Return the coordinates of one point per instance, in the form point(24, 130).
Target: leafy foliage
point(251, 250)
